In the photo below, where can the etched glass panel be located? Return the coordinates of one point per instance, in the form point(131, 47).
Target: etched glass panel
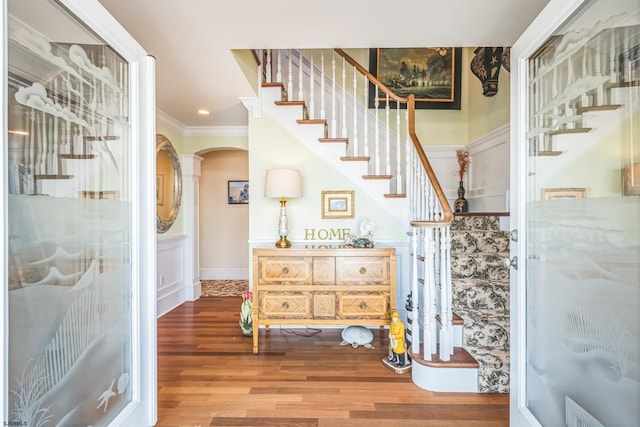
point(69, 221)
point(583, 232)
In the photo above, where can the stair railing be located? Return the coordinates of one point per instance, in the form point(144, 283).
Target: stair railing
point(335, 88)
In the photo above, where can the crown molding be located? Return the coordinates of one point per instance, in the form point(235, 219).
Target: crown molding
point(169, 121)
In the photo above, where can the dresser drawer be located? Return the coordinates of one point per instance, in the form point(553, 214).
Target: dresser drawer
point(362, 305)
point(362, 271)
point(285, 270)
point(285, 305)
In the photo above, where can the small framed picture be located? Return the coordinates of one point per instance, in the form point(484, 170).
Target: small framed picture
point(337, 204)
point(238, 192)
point(564, 193)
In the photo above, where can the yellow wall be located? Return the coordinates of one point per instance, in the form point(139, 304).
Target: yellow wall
point(271, 146)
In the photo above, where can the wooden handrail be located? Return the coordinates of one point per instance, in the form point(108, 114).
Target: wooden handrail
point(411, 106)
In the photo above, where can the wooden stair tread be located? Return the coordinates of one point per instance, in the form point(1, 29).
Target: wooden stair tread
point(377, 176)
point(610, 107)
point(395, 195)
point(290, 103)
point(355, 158)
point(272, 84)
point(77, 156)
point(569, 131)
point(332, 140)
point(45, 176)
point(459, 359)
point(312, 122)
point(547, 153)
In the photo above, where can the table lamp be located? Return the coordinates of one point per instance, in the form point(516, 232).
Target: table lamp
point(280, 184)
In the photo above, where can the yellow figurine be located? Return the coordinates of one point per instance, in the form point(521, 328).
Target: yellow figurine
point(396, 341)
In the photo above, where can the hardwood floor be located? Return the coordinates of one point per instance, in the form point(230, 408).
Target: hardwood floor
point(208, 376)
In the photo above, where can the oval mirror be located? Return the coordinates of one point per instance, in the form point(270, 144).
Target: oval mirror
point(168, 183)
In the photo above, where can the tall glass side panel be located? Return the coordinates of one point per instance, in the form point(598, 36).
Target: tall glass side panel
point(69, 221)
point(583, 220)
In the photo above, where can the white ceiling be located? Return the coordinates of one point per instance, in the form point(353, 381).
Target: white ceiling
point(192, 39)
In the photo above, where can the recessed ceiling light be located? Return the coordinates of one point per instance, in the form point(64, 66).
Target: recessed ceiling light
point(203, 112)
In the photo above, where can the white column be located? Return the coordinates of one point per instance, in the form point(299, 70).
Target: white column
point(191, 223)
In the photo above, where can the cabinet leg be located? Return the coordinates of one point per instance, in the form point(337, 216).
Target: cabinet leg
point(255, 337)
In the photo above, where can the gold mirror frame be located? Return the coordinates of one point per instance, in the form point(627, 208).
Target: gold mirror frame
point(163, 143)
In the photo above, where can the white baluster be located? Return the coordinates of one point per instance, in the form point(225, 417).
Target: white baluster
point(268, 68)
point(344, 99)
point(366, 116)
point(355, 111)
point(290, 73)
point(376, 161)
point(398, 152)
point(415, 328)
point(300, 62)
point(312, 90)
point(446, 331)
point(279, 67)
point(387, 165)
point(322, 107)
point(334, 124)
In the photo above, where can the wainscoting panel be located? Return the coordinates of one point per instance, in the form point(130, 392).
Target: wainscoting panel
point(170, 279)
point(488, 180)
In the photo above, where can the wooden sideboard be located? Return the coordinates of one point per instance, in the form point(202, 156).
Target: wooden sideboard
point(319, 285)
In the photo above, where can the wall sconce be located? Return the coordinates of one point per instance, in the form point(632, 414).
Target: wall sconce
point(280, 184)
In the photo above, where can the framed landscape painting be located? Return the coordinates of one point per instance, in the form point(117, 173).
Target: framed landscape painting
point(432, 74)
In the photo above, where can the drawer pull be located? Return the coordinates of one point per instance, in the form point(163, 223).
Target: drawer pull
point(363, 270)
point(285, 305)
point(285, 270)
point(363, 305)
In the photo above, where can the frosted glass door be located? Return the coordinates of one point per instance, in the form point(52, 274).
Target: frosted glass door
point(71, 226)
point(582, 220)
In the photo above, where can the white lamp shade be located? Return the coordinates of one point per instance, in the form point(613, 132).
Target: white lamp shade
point(283, 183)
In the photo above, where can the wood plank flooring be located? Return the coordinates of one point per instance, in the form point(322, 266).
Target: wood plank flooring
point(208, 376)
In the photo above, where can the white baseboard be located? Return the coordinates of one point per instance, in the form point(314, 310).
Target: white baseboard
point(224, 274)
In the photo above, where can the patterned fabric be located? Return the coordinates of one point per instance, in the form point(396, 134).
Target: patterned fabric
point(481, 296)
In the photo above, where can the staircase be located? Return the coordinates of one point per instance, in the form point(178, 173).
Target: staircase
point(377, 149)
point(480, 282)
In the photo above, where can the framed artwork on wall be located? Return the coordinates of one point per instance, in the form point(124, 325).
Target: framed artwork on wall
point(337, 205)
point(564, 193)
point(432, 74)
point(238, 192)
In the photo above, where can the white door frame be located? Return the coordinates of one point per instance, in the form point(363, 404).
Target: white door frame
point(545, 24)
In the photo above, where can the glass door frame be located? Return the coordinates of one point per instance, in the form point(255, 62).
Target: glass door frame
point(142, 410)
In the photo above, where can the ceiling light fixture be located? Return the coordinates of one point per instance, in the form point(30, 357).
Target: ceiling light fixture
point(203, 112)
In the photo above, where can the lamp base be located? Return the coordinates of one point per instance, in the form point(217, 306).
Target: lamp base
point(283, 242)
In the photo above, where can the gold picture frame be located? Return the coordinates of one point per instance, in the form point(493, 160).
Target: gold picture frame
point(563, 193)
point(337, 204)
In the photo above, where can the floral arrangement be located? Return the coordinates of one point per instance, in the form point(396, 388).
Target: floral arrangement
point(463, 162)
point(246, 311)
